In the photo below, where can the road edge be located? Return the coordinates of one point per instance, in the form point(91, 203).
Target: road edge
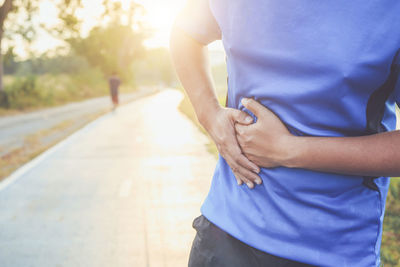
point(15, 175)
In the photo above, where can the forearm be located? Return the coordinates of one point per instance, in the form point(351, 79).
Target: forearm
point(373, 155)
point(191, 64)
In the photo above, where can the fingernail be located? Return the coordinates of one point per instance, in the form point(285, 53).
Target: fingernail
point(239, 182)
point(248, 119)
point(244, 101)
point(258, 181)
point(256, 171)
point(250, 185)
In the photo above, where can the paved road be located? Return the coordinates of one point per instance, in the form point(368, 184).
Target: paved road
point(123, 191)
point(15, 129)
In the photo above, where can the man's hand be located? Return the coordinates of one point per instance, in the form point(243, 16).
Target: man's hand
point(221, 128)
point(191, 63)
point(265, 142)
point(269, 144)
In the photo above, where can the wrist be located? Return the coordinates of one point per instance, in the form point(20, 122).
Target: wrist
point(292, 152)
point(207, 115)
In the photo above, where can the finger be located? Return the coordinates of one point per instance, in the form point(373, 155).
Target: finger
point(242, 160)
point(241, 172)
point(249, 183)
point(254, 106)
point(240, 129)
point(249, 175)
point(238, 178)
point(241, 116)
point(244, 173)
point(234, 153)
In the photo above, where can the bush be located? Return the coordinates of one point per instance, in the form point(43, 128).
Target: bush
point(21, 93)
point(24, 92)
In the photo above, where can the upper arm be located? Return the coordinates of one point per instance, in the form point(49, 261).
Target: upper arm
point(197, 20)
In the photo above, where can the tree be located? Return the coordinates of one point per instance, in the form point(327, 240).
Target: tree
point(111, 46)
point(16, 19)
point(4, 11)
point(69, 25)
point(114, 47)
point(9, 63)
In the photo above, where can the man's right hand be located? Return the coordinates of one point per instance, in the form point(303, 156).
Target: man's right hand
point(191, 64)
point(221, 127)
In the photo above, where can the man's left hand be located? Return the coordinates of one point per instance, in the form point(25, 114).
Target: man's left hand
point(265, 142)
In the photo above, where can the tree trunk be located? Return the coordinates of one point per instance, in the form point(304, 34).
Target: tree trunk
point(4, 10)
point(1, 62)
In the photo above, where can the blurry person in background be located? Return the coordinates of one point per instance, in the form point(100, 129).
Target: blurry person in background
point(114, 82)
point(307, 138)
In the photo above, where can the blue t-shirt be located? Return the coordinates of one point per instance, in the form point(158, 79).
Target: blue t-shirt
point(316, 65)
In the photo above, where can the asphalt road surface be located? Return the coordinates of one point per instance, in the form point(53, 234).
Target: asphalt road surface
point(123, 191)
point(15, 129)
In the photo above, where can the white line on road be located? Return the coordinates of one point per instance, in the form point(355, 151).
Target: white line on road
point(125, 188)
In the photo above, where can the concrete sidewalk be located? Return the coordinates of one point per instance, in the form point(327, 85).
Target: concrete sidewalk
point(123, 191)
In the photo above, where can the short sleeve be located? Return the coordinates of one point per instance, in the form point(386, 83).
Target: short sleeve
point(197, 20)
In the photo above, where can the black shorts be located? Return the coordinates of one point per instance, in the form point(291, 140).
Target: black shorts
point(212, 247)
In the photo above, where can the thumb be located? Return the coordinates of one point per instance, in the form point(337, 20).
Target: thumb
point(242, 117)
point(254, 106)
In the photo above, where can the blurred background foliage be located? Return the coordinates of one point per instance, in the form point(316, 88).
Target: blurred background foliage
point(390, 252)
point(79, 67)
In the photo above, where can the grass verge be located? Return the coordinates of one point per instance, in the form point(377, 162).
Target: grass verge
point(37, 143)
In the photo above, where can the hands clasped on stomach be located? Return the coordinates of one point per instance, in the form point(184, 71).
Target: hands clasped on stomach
point(248, 146)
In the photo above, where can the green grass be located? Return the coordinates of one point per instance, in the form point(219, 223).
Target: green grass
point(32, 92)
point(390, 251)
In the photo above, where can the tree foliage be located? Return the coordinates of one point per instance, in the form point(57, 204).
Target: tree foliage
point(111, 48)
point(116, 45)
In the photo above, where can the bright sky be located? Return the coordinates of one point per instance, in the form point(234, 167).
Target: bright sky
point(160, 16)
